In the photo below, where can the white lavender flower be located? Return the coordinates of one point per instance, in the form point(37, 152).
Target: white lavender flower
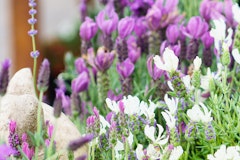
point(169, 62)
point(176, 153)
point(149, 131)
point(197, 115)
point(224, 153)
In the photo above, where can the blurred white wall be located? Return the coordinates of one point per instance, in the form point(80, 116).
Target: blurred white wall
point(58, 18)
point(5, 30)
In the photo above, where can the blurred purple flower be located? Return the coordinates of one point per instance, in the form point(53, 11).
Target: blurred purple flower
point(104, 59)
point(153, 70)
point(107, 20)
point(153, 17)
point(80, 83)
point(12, 126)
point(88, 29)
point(74, 145)
point(44, 75)
point(29, 152)
point(90, 121)
point(125, 69)
point(229, 13)
point(207, 40)
point(83, 9)
point(172, 33)
point(140, 27)
point(211, 10)
point(96, 112)
point(114, 97)
point(140, 7)
point(195, 28)
point(6, 151)
point(125, 27)
point(4, 76)
point(80, 65)
point(57, 104)
point(109, 117)
point(175, 47)
point(134, 51)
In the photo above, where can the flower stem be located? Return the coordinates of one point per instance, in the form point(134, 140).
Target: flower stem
point(126, 150)
point(113, 153)
point(50, 148)
point(187, 151)
point(39, 123)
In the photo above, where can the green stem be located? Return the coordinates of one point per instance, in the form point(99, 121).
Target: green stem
point(39, 123)
point(126, 150)
point(113, 153)
point(187, 151)
point(93, 152)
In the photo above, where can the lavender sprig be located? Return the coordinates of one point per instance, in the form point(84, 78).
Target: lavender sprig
point(4, 76)
point(32, 33)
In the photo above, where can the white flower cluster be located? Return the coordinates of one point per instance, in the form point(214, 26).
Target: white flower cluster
point(226, 153)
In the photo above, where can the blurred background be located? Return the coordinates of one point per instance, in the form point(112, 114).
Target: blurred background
point(58, 25)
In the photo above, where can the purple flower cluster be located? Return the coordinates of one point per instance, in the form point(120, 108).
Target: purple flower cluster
point(4, 76)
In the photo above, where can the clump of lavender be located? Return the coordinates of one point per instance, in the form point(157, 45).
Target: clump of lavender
point(13, 138)
point(4, 76)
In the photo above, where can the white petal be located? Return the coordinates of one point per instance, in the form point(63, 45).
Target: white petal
point(130, 139)
point(197, 63)
point(158, 62)
point(170, 85)
point(236, 12)
point(176, 153)
point(236, 55)
point(170, 59)
point(112, 105)
point(139, 151)
point(170, 120)
point(149, 132)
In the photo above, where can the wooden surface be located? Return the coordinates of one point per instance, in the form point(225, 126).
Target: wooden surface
point(22, 44)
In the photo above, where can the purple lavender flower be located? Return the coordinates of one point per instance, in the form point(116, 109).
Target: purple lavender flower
point(80, 83)
point(114, 97)
point(172, 33)
point(125, 69)
point(195, 28)
point(6, 151)
point(134, 51)
point(74, 145)
point(153, 70)
point(140, 27)
point(125, 27)
point(207, 41)
point(43, 75)
point(211, 9)
point(104, 59)
point(35, 54)
point(88, 29)
point(29, 152)
point(90, 121)
point(4, 76)
point(80, 65)
point(229, 13)
point(109, 117)
point(140, 7)
point(153, 18)
point(13, 138)
point(107, 20)
point(83, 9)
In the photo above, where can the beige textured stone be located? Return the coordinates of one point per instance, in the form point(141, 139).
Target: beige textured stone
point(20, 104)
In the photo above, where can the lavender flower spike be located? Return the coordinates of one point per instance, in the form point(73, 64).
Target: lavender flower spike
point(88, 29)
point(107, 20)
point(74, 145)
point(125, 69)
point(4, 76)
point(57, 105)
point(80, 83)
point(104, 59)
point(125, 27)
point(43, 75)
